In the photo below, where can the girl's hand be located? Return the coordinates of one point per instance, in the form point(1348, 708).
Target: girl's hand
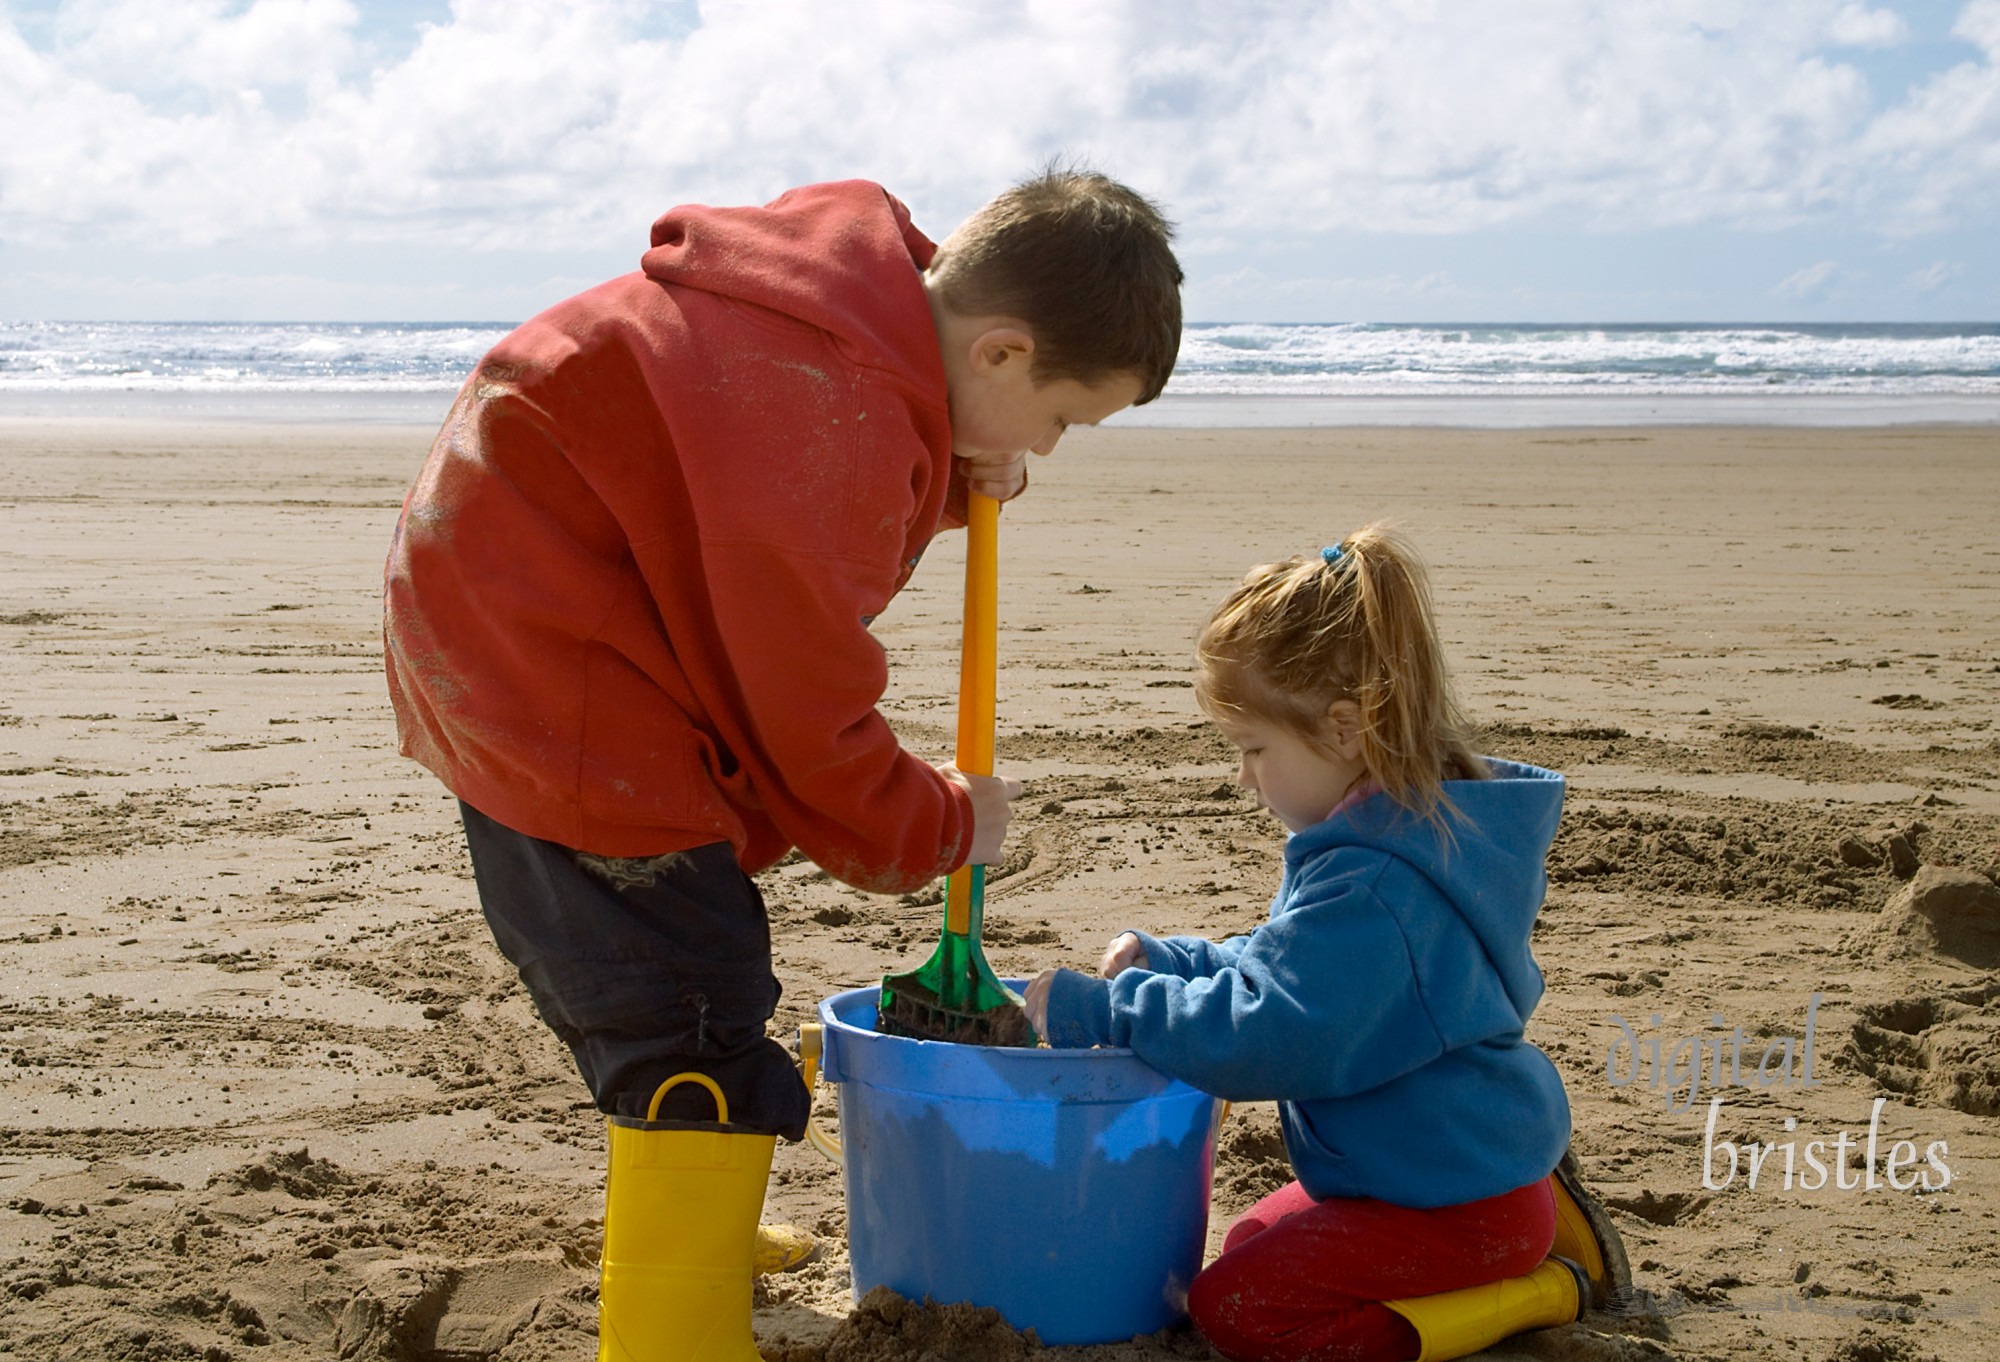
point(1125, 952)
point(1037, 999)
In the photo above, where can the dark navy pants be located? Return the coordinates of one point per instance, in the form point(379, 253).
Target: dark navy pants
point(645, 969)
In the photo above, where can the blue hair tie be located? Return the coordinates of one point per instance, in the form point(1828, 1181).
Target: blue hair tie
point(1331, 555)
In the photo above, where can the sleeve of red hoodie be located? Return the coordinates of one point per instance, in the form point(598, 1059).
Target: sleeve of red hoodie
point(831, 775)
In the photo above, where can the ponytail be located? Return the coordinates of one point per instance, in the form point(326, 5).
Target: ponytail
point(1352, 622)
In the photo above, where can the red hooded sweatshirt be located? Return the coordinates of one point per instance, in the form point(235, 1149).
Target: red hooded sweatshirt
point(627, 604)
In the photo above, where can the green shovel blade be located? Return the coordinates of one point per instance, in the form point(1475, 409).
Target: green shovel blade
point(954, 995)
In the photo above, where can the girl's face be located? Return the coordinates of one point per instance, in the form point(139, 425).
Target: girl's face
point(1299, 781)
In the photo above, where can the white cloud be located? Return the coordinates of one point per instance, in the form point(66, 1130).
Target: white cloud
point(1860, 26)
point(1979, 24)
point(1809, 284)
point(1252, 291)
point(1948, 133)
point(536, 126)
point(227, 295)
point(1936, 275)
point(143, 45)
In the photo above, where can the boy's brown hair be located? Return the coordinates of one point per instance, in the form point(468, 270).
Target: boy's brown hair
point(1086, 263)
point(1347, 623)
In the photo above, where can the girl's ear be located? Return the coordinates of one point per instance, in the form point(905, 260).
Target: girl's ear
point(1343, 729)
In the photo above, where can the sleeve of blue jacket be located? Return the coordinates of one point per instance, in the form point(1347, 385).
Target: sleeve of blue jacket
point(1322, 1001)
point(1082, 1017)
point(1190, 957)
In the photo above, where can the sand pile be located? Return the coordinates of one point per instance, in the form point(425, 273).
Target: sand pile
point(1944, 911)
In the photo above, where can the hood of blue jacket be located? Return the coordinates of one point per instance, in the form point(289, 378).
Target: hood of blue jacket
point(1487, 858)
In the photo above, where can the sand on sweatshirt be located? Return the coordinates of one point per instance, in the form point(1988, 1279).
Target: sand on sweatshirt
point(268, 1091)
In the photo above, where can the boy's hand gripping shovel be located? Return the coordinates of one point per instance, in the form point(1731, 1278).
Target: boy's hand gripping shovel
point(954, 996)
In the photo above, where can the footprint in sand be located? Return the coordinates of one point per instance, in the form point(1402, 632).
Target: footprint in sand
point(1942, 1049)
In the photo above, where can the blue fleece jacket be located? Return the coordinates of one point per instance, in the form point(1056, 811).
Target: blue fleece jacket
point(1381, 1006)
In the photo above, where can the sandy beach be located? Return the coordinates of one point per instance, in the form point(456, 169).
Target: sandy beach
point(268, 1091)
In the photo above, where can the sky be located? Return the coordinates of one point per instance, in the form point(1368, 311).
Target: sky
point(1348, 160)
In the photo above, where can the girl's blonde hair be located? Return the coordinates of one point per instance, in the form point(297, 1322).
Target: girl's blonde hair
point(1351, 623)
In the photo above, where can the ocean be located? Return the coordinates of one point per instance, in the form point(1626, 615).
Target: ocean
point(1229, 374)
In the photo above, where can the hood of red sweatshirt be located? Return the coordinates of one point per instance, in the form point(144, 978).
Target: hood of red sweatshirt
point(818, 254)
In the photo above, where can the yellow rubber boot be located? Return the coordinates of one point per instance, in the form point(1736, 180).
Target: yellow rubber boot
point(1586, 1236)
point(780, 1248)
point(680, 1231)
point(1460, 1323)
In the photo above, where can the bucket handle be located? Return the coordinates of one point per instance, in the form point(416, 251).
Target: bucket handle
point(714, 1090)
point(812, 1043)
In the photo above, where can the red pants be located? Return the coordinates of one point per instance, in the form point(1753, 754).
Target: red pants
point(1299, 1280)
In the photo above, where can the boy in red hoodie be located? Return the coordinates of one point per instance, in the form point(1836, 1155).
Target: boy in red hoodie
point(627, 604)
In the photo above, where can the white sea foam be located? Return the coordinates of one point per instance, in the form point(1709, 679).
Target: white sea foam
point(1345, 367)
point(168, 357)
point(1390, 361)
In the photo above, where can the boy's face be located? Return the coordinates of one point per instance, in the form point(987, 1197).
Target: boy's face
point(1000, 414)
point(997, 419)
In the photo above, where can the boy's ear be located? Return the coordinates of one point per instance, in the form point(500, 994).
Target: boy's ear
point(1343, 728)
point(1000, 348)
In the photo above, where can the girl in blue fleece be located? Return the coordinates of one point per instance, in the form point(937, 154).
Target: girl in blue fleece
point(1382, 1004)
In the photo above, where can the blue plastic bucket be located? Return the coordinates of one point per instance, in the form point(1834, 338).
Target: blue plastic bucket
point(1068, 1189)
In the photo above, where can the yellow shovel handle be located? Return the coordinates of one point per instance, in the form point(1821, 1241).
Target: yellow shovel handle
point(979, 650)
point(978, 666)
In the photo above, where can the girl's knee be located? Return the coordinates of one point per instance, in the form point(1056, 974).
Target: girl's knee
point(1280, 1205)
point(1246, 1228)
point(1239, 1323)
point(1215, 1307)
point(1226, 1302)
point(1521, 1229)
